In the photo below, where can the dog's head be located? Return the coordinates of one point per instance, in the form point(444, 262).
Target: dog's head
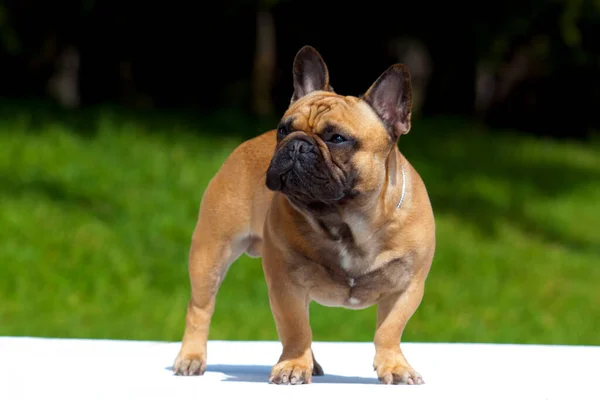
point(333, 148)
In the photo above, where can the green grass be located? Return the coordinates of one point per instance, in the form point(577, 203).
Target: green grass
point(96, 216)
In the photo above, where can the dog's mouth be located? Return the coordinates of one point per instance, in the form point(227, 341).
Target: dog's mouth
point(277, 176)
point(294, 184)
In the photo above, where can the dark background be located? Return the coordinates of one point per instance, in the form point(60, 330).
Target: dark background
point(536, 63)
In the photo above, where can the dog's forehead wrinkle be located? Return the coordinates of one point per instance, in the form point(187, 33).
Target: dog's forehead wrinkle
point(314, 114)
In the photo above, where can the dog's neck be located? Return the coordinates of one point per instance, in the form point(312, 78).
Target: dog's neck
point(369, 215)
point(383, 206)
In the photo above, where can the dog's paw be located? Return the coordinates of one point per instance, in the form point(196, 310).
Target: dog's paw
point(393, 369)
point(317, 369)
point(190, 364)
point(292, 372)
point(395, 374)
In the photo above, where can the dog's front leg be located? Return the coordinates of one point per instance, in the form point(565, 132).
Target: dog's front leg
point(393, 312)
point(289, 305)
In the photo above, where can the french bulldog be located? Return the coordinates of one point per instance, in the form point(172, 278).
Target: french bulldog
point(337, 213)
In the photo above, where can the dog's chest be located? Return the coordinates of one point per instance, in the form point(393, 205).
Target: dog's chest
point(351, 274)
point(346, 252)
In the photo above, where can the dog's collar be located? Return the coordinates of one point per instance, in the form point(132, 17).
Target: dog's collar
point(403, 187)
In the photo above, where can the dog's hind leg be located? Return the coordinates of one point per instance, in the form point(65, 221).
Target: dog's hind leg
point(209, 260)
point(230, 222)
point(219, 238)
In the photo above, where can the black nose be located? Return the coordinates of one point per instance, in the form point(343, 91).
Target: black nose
point(284, 159)
point(300, 146)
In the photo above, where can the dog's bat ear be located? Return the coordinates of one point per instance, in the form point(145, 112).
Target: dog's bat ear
point(391, 99)
point(310, 73)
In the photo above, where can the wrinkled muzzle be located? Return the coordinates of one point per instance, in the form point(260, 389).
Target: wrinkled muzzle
point(298, 169)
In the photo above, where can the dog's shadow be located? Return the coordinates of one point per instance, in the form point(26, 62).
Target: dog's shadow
point(260, 374)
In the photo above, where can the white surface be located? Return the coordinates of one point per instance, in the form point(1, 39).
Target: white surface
point(34, 368)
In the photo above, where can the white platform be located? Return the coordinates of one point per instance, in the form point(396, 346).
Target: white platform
point(36, 368)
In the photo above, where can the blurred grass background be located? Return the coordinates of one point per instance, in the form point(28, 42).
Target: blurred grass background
point(98, 208)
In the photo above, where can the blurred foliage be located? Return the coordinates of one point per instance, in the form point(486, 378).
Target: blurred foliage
point(8, 37)
point(175, 53)
point(98, 208)
point(564, 22)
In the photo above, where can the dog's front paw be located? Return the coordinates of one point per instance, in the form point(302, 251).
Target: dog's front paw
point(393, 369)
point(190, 364)
point(399, 374)
point(292, 372)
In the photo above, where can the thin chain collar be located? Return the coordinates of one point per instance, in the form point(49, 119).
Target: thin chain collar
point(403, 187)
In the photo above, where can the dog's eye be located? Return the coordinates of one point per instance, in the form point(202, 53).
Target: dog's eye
point(282, 131)
point(337, 139)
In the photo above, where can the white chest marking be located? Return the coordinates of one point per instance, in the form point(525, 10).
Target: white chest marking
point(353, 301)
point(345, 258)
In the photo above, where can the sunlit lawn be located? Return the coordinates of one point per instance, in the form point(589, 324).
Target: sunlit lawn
point(96, 217)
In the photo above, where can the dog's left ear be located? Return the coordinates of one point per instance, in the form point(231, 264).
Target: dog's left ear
point(391, 99)
point(310, 73)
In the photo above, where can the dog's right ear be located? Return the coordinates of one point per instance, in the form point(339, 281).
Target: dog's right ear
point(310, 73)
